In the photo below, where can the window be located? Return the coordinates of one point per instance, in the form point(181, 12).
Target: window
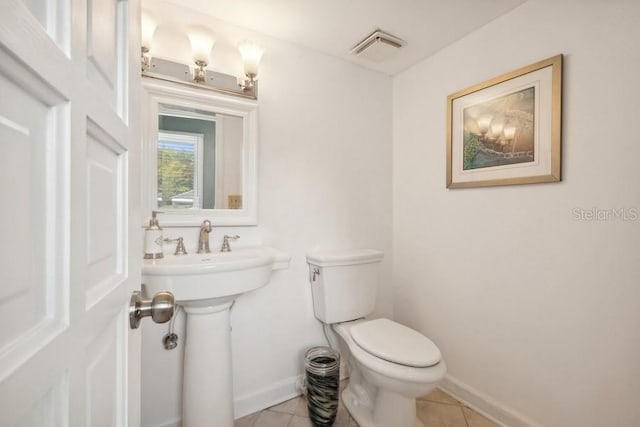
point(180, 169)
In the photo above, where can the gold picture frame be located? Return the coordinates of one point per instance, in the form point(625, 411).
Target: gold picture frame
point(507, 130)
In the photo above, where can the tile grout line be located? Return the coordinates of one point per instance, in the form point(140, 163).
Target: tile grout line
point(465, 416)
point(442, 403)
point(459, 405)
point(290, 421)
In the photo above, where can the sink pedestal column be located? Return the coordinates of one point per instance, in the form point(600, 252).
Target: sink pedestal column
point(207, 389)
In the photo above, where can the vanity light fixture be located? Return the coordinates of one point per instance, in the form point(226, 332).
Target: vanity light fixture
point(202, 41)
point(251, 54)
point(147, 29)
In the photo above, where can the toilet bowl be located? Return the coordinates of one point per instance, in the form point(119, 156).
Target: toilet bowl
point(382, 391)
point(390, 364)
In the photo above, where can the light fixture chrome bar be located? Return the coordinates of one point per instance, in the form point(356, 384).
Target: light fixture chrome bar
point(249, 93)
point(175, 72)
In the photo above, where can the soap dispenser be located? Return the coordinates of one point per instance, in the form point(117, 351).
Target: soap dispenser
point(153, 238)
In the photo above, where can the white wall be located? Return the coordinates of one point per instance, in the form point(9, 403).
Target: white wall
point(324, 182)
point(537, 313)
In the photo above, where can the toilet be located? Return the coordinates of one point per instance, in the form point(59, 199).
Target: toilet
point(390, 364)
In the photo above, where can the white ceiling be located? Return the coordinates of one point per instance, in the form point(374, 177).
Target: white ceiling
point(335, 26)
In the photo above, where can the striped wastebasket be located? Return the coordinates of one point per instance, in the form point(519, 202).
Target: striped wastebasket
point(322, 372)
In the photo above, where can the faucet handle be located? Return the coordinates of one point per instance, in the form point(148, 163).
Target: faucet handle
point(180, 250)
point(225, 243)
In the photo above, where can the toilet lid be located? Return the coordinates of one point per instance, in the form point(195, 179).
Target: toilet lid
point(395, 343)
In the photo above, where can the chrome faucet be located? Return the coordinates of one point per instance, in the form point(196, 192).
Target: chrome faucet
point(203, 240)
point(225, 243)
point(180, 250)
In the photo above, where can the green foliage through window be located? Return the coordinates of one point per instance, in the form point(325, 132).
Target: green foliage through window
point(175, 171)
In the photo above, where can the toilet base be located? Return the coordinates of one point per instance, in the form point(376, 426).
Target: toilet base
point(389, 409)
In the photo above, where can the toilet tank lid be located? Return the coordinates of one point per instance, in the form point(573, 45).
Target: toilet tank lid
point(396, 343)
point(344, 257)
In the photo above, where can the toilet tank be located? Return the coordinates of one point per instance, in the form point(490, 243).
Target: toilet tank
point(343, 283)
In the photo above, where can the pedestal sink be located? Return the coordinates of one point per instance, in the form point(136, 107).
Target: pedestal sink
point(206, 286)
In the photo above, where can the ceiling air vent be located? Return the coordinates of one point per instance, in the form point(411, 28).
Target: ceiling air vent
point(378, 46)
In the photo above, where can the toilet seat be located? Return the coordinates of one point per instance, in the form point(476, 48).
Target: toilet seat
point(395, 343)
point(393, 370)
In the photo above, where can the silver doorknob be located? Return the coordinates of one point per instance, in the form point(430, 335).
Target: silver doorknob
point(160, 308)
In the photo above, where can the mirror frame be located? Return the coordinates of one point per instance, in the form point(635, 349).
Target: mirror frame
point(156, 92)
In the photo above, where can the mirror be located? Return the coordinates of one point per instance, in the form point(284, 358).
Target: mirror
point(199, 155)
point(199, 159)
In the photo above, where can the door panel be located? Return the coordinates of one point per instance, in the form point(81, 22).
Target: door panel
point(53, 16)
point(104, 372)
point(106, 50)
point(51, 410)
point(101, 38)
point(106, 169)
point(23, 130)
point(32, 275)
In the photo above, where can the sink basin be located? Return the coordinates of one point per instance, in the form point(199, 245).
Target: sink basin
point(205, 285)
point(217, 277)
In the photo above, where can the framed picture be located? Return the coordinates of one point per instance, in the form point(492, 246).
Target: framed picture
point(507, 130)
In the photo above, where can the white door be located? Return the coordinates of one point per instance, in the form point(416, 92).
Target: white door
point(69, 254)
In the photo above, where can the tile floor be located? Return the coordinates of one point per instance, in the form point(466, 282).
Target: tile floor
point(437, 409)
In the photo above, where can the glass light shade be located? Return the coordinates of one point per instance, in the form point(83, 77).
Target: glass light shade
point(509, 132)
point(148, 27)
point(251, 54)
point(202, 41)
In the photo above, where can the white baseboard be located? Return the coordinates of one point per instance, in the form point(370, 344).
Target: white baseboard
point(484, 404)
point(266, 397)
point(287, 389)
point(258, 400)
